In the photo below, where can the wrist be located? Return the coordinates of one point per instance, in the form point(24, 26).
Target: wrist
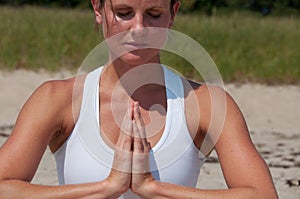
point(114, 189)
point(147, 189)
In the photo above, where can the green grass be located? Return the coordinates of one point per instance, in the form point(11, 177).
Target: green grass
point(245, 47)
point(35, 38)
point(249, 48)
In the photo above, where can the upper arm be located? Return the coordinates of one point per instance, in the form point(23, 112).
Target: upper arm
point(241, 163)
point(40, 117)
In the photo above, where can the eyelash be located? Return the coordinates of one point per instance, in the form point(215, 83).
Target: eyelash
point(128, 14)
point(124, 14)
point(155, 15)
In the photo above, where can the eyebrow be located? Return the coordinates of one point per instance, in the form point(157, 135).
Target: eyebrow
point(126, 6)
point(121, 6)
point(155, 7)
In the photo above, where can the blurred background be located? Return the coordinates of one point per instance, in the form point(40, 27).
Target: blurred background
point(250, 40)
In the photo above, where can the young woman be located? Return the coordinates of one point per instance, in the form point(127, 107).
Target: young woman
point(134, 125)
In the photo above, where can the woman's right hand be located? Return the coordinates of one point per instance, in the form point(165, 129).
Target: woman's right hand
point(120, 175)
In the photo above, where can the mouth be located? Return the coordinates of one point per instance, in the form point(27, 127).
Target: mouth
point(136, 45)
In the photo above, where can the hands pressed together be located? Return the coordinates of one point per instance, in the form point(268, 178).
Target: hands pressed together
point(131, 159)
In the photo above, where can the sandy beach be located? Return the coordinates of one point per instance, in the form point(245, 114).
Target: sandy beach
point(272, 114)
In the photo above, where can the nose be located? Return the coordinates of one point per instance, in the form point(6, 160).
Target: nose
point(138, 26)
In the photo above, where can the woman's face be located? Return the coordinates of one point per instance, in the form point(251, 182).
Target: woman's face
point(136, 23)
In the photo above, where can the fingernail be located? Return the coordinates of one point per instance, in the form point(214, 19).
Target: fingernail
point(129, 110)
point(136, 104)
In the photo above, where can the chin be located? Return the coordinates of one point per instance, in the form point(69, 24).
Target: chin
point(140, 57)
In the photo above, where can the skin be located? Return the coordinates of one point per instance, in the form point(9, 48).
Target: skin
point(35, 130)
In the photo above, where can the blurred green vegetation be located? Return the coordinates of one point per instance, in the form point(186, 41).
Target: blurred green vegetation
point(246, 47)
point(34, 37)
point(209, 7)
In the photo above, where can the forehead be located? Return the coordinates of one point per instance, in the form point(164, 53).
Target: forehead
point(141, 3)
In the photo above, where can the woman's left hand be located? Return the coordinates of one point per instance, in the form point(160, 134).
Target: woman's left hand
point(141, 174)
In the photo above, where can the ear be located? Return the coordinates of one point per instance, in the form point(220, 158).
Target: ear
point(97, 11)
point(175, 11)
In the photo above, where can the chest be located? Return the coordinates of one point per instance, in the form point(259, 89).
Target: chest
point(166, 128)
point(112, 113)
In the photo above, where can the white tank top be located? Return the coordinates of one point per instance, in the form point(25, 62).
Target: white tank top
point(85, 157)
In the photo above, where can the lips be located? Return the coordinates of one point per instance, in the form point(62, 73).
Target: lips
point(136, 45)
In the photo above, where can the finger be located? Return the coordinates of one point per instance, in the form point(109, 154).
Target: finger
point(132, 110)
point(140, 123)
point(123, 148)
point(138, 146)
point(140, 158)
point(125, 139)
point(138, 116)
point(140, 141)
point(123, 153)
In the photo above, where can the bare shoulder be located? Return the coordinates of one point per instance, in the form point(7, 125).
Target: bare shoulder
point(208, 107)
point(42, 116)
point(207, 93)
point(49, 112)
point(59, 93)
point(55, 94)
point(64, 97)
point(212, 98)
point(48, 102)
point(56, 87)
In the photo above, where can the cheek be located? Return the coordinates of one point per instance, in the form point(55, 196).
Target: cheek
point(116, 27)
point(164, 22)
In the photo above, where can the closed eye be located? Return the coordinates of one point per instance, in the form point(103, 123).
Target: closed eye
point(154, 13)
point(124, 13)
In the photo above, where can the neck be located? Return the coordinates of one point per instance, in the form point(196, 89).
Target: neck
point(121, 67)
point(129, 78)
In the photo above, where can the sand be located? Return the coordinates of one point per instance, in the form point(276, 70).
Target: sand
point(272, 114)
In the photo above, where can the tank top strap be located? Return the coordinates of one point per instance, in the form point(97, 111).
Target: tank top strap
point(173, 83)
point(176, 101)
point(90, 92)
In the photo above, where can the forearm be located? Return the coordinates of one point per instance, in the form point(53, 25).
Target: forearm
point(19, 189)
point(165, 190)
